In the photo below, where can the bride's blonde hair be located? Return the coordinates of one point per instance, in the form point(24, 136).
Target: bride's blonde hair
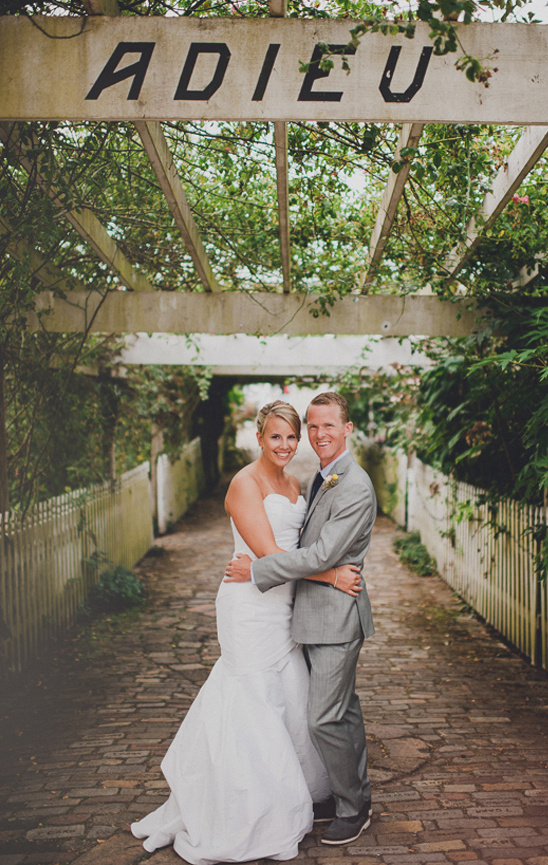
point(280, 409)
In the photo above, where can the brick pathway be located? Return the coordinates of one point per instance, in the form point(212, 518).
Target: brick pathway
point(457, 723)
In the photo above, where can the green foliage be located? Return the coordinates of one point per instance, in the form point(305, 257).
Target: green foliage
point(415, 555)
point(484, 410)
point(479, 413)
point(383, 404)
point(425, 11)
point(67, 429)
point(442, 16)
point(118, 588)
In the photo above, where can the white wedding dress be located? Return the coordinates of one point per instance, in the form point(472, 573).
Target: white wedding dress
point(242, 769)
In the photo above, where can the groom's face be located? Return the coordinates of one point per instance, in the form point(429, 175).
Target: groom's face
point(327, 431)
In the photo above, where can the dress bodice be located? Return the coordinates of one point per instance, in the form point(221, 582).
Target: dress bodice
point(254, 627)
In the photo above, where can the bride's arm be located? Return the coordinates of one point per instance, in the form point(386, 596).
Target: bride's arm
point(244, 503)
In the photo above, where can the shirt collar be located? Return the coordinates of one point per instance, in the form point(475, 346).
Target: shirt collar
point(328, 469)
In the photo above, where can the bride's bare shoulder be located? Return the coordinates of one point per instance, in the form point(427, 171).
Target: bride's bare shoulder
point(243, 485)
point(247, 476)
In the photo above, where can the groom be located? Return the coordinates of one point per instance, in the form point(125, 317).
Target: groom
point(330, 625)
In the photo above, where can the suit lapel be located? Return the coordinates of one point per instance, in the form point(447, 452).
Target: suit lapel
point(339, 470)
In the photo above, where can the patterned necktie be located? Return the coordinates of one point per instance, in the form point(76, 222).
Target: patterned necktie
point(318, 480)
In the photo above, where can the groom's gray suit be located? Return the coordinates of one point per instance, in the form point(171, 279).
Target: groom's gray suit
point(331, 624)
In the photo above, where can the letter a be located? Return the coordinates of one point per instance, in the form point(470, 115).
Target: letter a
point(136, 70)
point(416, 84)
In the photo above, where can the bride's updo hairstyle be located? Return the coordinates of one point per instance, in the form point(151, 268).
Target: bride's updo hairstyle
point(282, 410)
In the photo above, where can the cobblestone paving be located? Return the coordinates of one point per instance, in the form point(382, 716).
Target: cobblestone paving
point(457, 723)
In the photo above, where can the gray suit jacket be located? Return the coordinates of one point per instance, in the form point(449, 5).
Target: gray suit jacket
point(336, 531)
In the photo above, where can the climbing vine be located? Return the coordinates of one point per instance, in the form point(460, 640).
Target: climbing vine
point(482, 404)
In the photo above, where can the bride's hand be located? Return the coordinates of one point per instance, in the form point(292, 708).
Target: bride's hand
point(348, 580)
point(238, 569)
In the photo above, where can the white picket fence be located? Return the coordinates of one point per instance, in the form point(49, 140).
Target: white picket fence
point(486, 551)
point(43, 573)
point(44, 577)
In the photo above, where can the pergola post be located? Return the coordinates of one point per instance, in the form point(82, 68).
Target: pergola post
point(278, 9)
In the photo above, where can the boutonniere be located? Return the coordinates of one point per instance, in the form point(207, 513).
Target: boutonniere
point(330, 481)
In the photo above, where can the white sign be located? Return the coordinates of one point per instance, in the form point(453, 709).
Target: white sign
point(131, 68)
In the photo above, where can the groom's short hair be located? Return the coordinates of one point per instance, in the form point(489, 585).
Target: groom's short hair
point(331, 398)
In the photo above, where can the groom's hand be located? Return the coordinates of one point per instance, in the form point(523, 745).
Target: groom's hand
point(238, 570)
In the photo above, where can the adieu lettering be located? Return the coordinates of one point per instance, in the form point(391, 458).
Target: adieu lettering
point(137, 70)
point(183, 90)
point(418, 78)
point(266, 71)
point(315, 72)
point(112, 74)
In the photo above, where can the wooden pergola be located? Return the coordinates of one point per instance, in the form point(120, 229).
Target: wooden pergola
point(146, 70)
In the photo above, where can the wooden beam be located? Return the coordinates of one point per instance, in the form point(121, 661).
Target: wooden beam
point(521, 160)
point(279, 355)
point(280, 145)
point(161, 160)
point(262, 313)
point(278, 9)
point(409, 137)
point(101, 7)
point(83, 220)
point(132, 67)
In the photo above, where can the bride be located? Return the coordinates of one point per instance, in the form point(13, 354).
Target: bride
point(242, 769)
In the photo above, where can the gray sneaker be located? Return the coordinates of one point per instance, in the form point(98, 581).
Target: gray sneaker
point(343, 830)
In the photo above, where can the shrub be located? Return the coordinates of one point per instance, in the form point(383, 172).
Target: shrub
point(415, 555)
point(118, 587)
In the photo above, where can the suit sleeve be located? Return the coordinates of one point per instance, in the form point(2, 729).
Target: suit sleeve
point(343, 539)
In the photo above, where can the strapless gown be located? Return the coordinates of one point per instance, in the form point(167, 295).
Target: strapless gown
point(242, 769)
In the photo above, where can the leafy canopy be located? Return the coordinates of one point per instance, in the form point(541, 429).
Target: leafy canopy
point(480, 412)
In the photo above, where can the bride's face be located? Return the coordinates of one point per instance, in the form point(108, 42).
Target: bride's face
point(278, 441)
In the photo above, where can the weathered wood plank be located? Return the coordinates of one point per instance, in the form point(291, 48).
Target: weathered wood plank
point(282, 185)
point(409, 137)
point(101, 7)
point(278, 9)
point(263, 313)
point(176, 68)
point(161, 160)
